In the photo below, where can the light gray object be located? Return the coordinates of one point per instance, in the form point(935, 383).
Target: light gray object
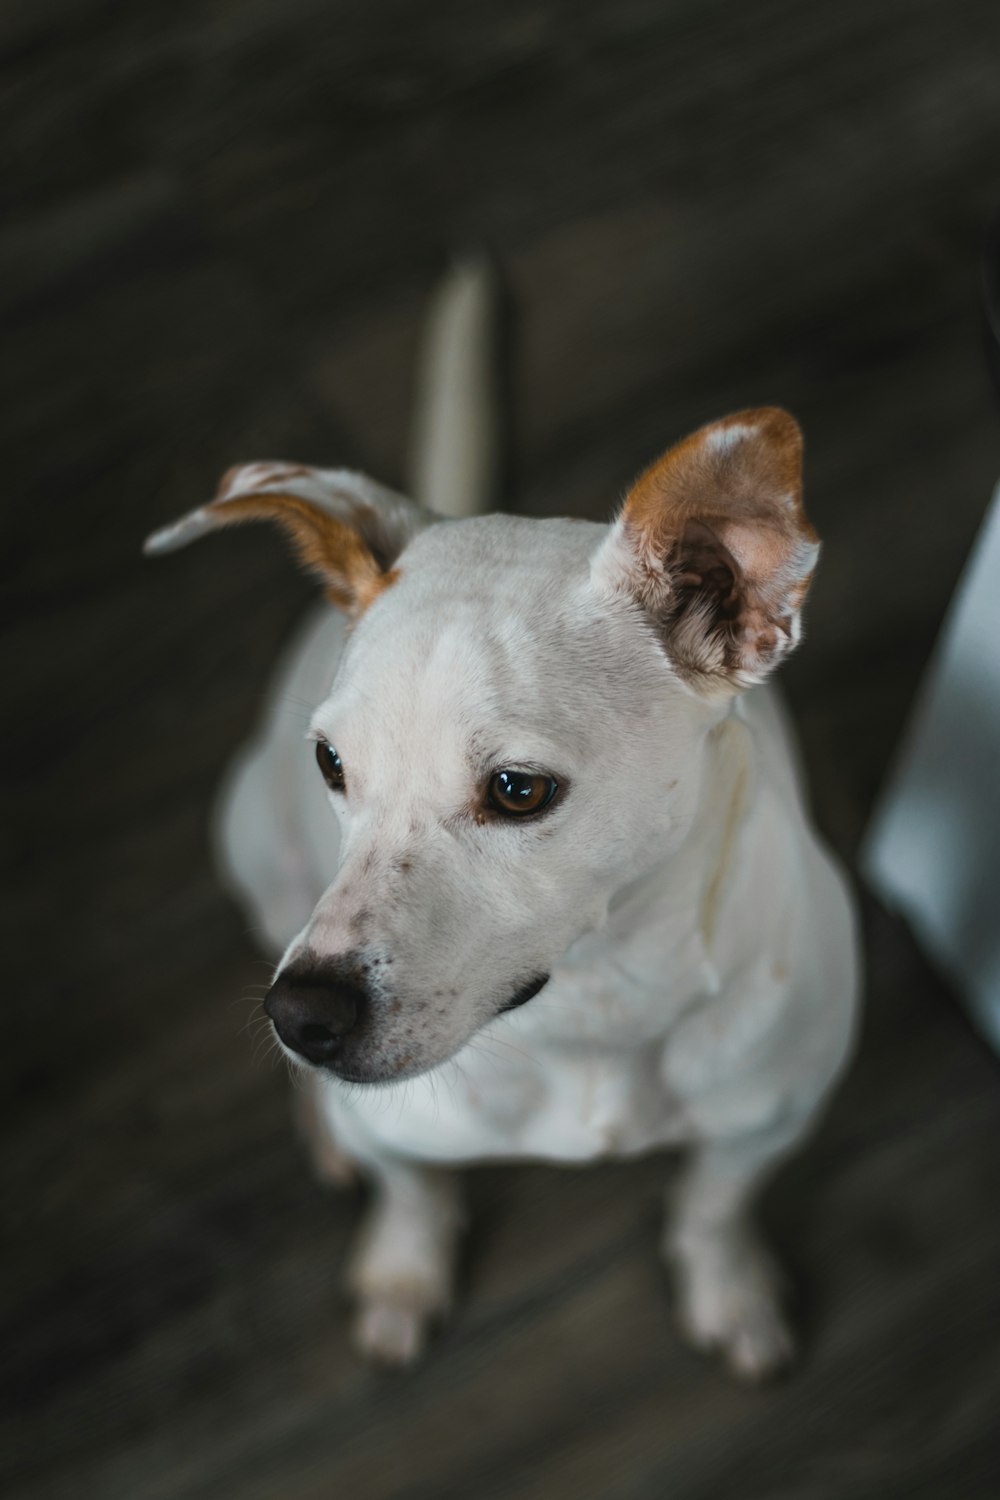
point(454, 454)
point(933, 848)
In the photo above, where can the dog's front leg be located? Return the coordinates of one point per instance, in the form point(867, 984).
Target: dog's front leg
point(402, 1269)
point(727, 1284)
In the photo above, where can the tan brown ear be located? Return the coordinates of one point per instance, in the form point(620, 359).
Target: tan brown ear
point(345, 528)
point(715, 546)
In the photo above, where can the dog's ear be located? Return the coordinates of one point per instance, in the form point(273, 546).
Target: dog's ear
point(714, 545)
point(346, 529)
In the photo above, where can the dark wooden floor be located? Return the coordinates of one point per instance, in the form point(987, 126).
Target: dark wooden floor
point(223, 222)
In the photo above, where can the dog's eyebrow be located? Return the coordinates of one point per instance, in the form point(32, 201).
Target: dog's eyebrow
point(533, 751)
point(522, 762)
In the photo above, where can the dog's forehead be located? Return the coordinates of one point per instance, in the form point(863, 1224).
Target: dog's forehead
point(478, 596)
point(500, 559)
point(471, 632)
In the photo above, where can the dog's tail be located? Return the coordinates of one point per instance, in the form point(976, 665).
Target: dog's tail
point(456, 438)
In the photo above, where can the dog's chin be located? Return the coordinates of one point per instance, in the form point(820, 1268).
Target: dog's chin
point(364, 1076)
point(351, 1072)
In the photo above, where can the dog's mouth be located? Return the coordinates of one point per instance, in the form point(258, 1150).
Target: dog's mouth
point(337, 1053)
point(525, 993)
point(343, 1070)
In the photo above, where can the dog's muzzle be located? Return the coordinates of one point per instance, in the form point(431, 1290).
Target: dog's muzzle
point(314, 1008)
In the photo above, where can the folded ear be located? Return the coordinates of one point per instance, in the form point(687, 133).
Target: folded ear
point(345, 528)
point(713, 543)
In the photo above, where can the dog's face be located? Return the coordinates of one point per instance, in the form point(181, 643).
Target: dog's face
point(504, 749)
point(516, 728)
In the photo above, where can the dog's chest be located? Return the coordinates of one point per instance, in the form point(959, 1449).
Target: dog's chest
point(588, 1103)
point(499, 1102)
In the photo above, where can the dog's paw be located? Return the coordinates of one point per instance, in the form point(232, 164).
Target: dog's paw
point(752, 1334)
point(392, 1329)
point(729, 1303)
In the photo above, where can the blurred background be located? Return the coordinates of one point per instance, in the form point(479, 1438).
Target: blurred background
point(223, 224)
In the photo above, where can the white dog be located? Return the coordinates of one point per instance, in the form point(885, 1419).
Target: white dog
point(541, 809)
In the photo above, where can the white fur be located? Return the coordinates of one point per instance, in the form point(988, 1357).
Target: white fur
point(700, 940)
point(725, 439)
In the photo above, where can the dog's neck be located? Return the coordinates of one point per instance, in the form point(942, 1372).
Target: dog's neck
point(698, 867)
point(672, 908)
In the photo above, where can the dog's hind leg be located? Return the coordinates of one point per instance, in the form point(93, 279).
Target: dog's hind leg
point(727, 1284)
point(403, 1266)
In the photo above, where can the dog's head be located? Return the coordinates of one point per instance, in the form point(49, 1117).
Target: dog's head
point(516, 728)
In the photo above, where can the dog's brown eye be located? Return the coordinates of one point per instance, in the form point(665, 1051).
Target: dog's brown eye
point(329, 763)
point(516, 793)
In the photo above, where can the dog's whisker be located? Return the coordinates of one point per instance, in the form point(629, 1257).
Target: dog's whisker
point(262, 963)
point(432, 1082)
point(296, 1074)
point(247, 1002)
point(251, 998)
point(457, 1073)
point(265, 1043)
point(251, 1026)
point(499, 1041)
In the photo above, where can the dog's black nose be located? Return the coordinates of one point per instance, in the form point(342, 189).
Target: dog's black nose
point(314, 1007)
